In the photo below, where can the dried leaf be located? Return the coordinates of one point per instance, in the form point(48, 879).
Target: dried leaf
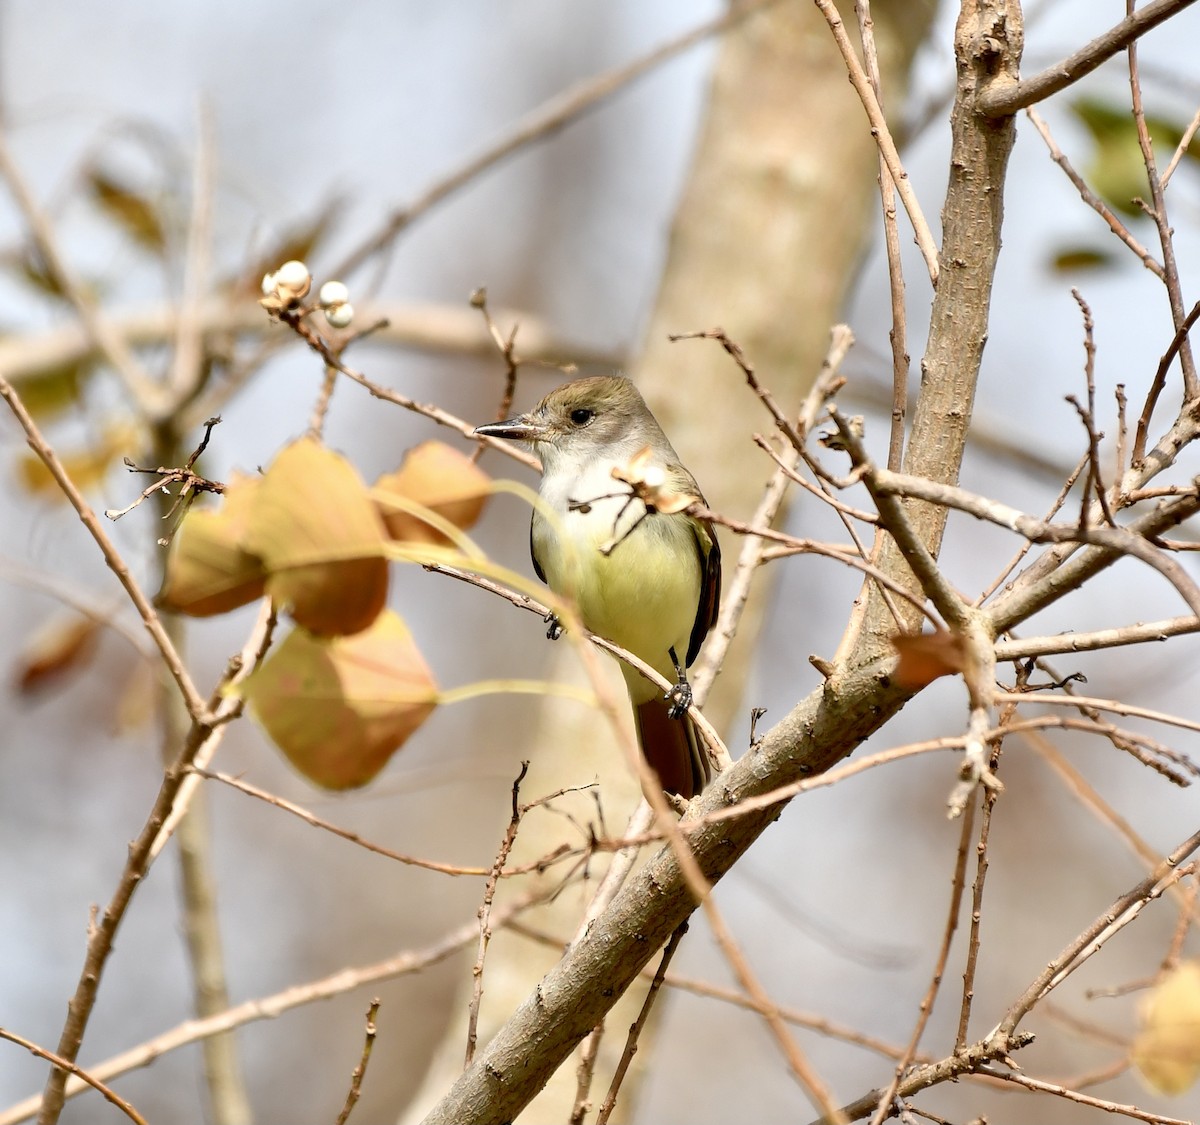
point(296, 243)
point(320, 539)
point(49, 392)
point(137, 699)
point(926, 656)
point(1073, 259)
point(137, 214)
point(86, 467)
point(208, 569)
point(64, 644)
point(653, 485)
point(440, 478)
point(1166, 1051)
point(340, 708)
point(30, 267)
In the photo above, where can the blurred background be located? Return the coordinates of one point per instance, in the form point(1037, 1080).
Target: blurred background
point(319, 113)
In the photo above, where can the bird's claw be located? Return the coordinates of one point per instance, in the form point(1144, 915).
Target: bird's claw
point(554, 628)
point(679, 699)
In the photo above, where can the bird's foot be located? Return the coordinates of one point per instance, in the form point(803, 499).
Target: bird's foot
point(554, 628)
point(679, 697)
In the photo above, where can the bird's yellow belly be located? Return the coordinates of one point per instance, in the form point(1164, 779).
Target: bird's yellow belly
point(643, 595)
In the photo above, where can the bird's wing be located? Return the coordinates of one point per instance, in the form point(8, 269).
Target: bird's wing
point(710, 586)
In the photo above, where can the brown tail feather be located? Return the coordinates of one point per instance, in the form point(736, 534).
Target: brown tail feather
point(672, 747)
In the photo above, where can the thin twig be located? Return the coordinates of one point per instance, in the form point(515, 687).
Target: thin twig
point(635, 1030)
point(274, 1005)
point(957, 888)
point(547, 119)
point(1092, 199)
point(325, 350)
point(83, 1076)
point(614, 879)
point(898, 333)
point(485, 914)
point(1181, 149)
point(187, 362)
point(883, 138)
point(145, 393)
point(1158, 212)
point(1020, 1079)
point(1158, 383)
point(356, 1076)
point(170, 657)
point(1120, 914)
point(1003, 100)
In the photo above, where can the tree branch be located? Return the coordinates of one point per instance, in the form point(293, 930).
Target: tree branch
point(1004, 99)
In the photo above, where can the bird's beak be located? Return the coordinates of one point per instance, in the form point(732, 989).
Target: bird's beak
point(524, 427)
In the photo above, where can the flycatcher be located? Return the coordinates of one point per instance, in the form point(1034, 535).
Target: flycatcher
point(642, 572)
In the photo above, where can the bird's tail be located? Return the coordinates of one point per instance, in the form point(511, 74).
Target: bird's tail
point(673, 748)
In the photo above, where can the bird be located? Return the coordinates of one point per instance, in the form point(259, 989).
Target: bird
point(612, 532)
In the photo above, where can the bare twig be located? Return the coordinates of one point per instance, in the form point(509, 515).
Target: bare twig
point(1123, 911)
point(1093, 200)
point(898, 333)
point(353, 837)
point(171, 659)
point(324, 349)
point(187, 362)
point(356, 1076)
point(1019, 1079)
point(958, 885)
point(485, 914)
point(83, 1076)
point(1001, 100)
point(1181, 149)
point(274, 1005)
point(1158, 383)
point(543, 122)
point(883, 138)
point(1158, 212)
point(146, 394)
point(635, 1030)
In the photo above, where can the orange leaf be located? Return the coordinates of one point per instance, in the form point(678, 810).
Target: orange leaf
point(321, 540)
point(62, 645)
point(1166, 1051)
point(340, 708)
point(440, 478)
point(926, 656)
point(208, 569)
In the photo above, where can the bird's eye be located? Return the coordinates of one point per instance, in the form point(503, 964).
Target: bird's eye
point(581, 415)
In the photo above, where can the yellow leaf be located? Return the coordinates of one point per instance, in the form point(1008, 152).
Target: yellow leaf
point(441, 479)
point(1166, 1051)
point(87, 467)
point(340, 708)
point(208, 569)
point(52, 390)
point(320, 539)
point(138, 214)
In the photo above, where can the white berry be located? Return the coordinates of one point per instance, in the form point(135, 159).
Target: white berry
point(340, 316)
point(293, 275)
point(333, 293)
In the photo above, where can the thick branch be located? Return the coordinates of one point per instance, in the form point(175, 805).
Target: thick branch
point(577, 992)
point(988, 42)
